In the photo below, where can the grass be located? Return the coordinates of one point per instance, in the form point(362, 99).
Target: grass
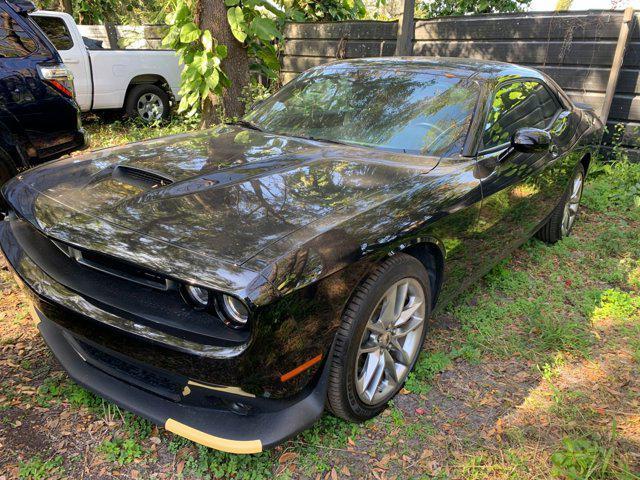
point(121, 451)
point(39, 469)
point(538, 378)
point(104, 134)
point(582, 459)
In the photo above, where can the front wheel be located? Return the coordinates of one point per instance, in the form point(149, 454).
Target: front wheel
point(564, 215)
point(379, 339)
point(148, 102)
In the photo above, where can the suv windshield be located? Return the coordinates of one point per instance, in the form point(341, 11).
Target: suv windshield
point(391, 109)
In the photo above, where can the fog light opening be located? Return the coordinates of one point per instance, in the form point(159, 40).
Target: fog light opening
point(235, 312)
point(197, 297)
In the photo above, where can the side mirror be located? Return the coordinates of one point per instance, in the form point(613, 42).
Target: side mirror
point(530, 140)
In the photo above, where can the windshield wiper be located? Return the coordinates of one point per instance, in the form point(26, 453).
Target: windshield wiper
point(246, 124)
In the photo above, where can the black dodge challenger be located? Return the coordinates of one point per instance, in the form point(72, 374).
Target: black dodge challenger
point(230, 284)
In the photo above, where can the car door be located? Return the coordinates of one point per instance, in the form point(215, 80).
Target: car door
point(16, 46)
point(520, 189)
point(74, 55)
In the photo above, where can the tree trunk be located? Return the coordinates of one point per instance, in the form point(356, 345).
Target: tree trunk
point(212, 15)
point(67, 6)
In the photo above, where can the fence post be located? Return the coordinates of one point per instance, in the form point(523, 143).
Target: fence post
point(404, 42)
point(112, 35)
point(618, 57)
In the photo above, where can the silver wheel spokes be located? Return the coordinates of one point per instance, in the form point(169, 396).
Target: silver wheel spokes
point(390, 342)
point(150, 107)
point(571, 207)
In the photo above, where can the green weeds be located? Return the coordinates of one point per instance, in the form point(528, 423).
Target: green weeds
point(38, 469)
point(106, 134)
point(428, 366)
point(122, 451)
point(58, 389)
point(584, 459)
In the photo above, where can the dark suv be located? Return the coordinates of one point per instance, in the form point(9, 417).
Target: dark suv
point(39, 120)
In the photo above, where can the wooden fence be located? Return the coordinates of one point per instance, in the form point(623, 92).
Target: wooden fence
point(574, 48)
point(125, 36)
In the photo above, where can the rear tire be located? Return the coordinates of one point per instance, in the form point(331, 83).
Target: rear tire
point(563, 217)
point(361, 382)
point(148, 102)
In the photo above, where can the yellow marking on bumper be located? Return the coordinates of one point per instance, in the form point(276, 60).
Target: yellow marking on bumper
point(232, 390)
point(186, 391)
point(211, 441)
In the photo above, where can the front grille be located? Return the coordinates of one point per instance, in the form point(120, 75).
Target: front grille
point(124, 290)
point(115, 267)
point(144, 376)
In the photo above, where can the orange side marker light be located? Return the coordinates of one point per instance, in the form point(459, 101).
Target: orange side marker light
point(298, 370)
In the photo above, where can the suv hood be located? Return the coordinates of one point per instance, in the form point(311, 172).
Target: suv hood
point(226, 193)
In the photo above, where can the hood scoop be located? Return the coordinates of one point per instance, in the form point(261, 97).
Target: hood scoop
point(139, 177)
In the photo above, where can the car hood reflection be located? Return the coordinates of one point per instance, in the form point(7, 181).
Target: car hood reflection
point(226, 193)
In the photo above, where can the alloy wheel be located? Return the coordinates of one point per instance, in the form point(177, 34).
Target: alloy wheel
point(150, 107)
point(390, 342)
point(571, 207)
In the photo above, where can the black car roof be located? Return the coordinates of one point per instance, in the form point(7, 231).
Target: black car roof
point(460, 67)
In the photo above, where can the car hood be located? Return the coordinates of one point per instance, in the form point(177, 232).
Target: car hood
point(226, 193)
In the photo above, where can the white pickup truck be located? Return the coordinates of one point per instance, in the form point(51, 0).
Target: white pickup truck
point(143, 82)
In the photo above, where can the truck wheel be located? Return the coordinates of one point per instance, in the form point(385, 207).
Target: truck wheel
point(148, 102)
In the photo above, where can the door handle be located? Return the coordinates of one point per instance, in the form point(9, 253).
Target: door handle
point(553, 150)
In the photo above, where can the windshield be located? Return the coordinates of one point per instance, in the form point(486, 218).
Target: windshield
point(391, 109)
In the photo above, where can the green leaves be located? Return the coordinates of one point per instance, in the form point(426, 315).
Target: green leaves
point(257, 24)
point(237, 23)
point(200, 56)
point(181, 13)
point(265, 29)
point(207, 41)
point(439, 8)
point(189, 32)
point(315, 10)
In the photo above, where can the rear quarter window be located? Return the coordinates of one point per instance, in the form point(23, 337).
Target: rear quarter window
point(15, 42)
point(56, 30)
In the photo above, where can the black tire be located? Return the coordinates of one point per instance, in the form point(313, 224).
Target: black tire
point(342, 398)
point(137, 93)
point(7, 171)
point(551, 231)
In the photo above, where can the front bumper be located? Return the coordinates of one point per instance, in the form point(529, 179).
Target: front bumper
point(228, 429)
point(117, 365)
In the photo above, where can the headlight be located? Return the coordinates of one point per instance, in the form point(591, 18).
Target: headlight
point(235, 311)
point(197, 296)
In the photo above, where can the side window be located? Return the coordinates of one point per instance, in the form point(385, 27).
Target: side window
point(548, 104)
point(56, 30)
point(14, 41)
point(516, 105)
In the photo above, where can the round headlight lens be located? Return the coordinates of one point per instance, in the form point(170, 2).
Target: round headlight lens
point(235, 310)
point(198, 296)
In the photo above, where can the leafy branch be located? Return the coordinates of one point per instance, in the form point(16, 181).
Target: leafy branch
point(201, 56)
point(257, 24)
